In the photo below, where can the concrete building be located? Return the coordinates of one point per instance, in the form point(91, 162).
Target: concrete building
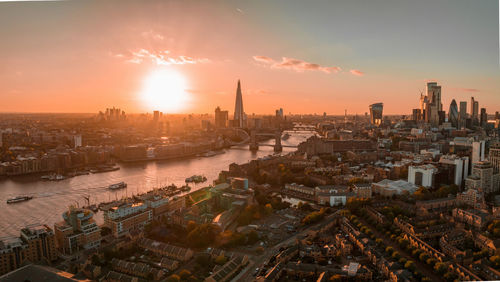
point(461, 167)
point(125, 217)
point(483, 178)
point(78, 231)
point(36, 244)
point(221, 118)
point(422, 175)
point(389, 187)
point(478, 149)
point(494, 156)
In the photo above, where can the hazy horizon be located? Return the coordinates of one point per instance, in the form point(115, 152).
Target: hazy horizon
point(85, 56)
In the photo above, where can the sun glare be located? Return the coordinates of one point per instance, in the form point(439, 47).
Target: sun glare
point(165, 90)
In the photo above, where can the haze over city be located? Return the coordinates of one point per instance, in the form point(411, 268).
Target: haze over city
point(76, 56)
point(259, 141)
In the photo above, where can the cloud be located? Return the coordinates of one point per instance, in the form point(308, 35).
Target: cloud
point(357, 72)
point(240, 11)
point(468, 89)
point(295, 64)
point(152, 35)
point(256, 92)
point(159, 58)
point(263, 59)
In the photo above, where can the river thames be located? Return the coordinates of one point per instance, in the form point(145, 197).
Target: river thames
point(51, 199)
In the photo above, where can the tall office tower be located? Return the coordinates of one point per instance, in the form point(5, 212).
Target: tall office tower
point(483, 118)
point(431, 103)
point(416, 114)
point(453, 114)
point(478, 148)
point(221, 118)
point(376, 113)
point(239, 114)
point(474, 111)
point(156, 116)
point(494, 156)
point(462, 114)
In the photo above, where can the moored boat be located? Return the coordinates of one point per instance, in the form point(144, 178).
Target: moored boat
point(19, 199)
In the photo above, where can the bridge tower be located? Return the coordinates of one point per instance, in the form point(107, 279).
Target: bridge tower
point(277, 144)
point(253, 141)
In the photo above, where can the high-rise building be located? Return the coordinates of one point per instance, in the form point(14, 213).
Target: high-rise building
point(494, 156)
point(221, 118)
point(453, 114)
point(430, 103)
point(462, 114)
point(483, 118)
point(478, 149)
point(239, 113)
point(474, 111)
point(78, 231)
point(156, 116)
point(460, 167)
point(376, 113)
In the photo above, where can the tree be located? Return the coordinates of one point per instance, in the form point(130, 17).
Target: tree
point(440, 268)
point(379, 241)
point(336, 277)
point(173, 278)
point(410, 265)
point(220, 260)
point(450, 276)
point(184, 274)
point(423, 257)
point(389, 250)
point(396, 255)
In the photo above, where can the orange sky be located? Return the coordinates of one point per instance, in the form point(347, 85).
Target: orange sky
point(83, 57)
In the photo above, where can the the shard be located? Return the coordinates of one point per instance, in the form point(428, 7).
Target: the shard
point(239, 114)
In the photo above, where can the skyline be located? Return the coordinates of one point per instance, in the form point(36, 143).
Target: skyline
point(304, 61)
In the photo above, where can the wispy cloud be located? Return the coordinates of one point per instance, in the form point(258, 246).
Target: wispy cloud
point(467, 89)
point(295, 64)
point(357, 72)
point(158, 58)
point(240, 11)
point(153, 35)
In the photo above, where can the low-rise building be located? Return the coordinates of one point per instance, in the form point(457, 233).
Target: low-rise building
point(170, 251)
point(474, 218)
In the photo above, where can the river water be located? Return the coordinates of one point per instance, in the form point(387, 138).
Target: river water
point(51, 199)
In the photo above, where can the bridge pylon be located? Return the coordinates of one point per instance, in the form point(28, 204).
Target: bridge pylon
point(277, 144)
point(254, 146)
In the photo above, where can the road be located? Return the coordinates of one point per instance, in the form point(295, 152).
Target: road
point(257, 261)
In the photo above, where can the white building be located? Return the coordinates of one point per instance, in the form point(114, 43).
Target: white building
point(422, 175)
point(389, 187)
point(78, 140)
point(461, 167)
point(478, 148)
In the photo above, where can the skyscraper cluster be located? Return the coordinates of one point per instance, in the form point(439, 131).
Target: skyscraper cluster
point(431, 110)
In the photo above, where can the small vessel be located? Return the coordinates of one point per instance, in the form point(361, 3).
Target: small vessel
point(285, 136)
point(53, 177)
point(19, 199)
point(116, 186)
point(196, 179)
point(209, 154)
point(105, 169)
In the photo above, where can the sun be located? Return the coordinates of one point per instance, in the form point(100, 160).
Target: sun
point(165, 90)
